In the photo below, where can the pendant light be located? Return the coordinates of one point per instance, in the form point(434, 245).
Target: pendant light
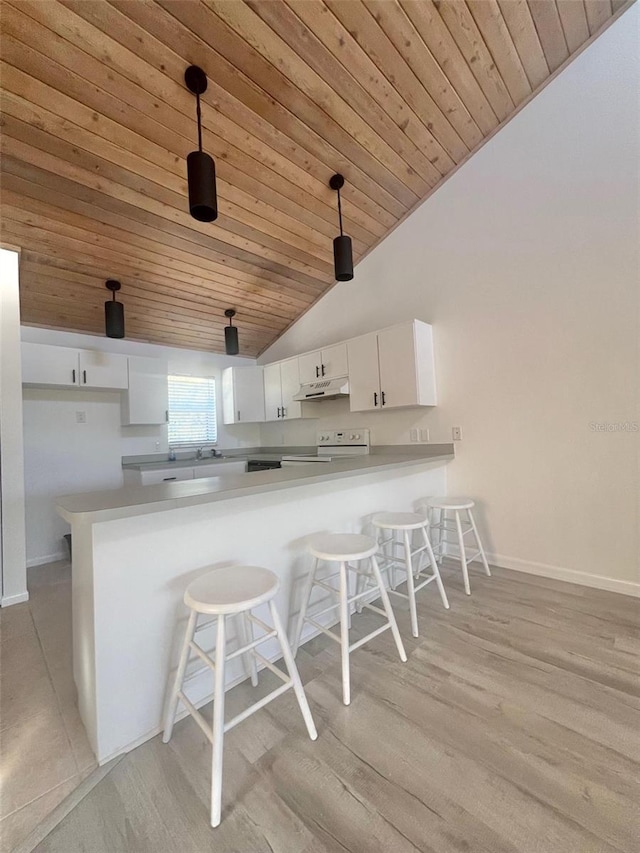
point(201, 169)
point(231, 346)
point(342, 252)
point(113, 312)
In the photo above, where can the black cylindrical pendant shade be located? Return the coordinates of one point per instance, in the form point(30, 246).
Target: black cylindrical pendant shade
point(114, 319)
point(201, 177)
point(231, 346)
point(343, 258)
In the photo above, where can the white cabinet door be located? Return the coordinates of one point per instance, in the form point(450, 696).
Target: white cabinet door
point(220, 469)
point(46, 365)
point(398, 369)
point(364, 377)
point(334, 362)
point(147, 399)
point(290, 378)
point(309, 366)
point(103, 370)
point(272, 392)
point(165, 475)
point(243, 395)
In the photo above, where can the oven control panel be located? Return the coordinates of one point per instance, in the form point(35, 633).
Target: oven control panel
point(343, 438)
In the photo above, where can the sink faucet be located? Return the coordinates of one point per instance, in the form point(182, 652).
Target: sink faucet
point(199, 453)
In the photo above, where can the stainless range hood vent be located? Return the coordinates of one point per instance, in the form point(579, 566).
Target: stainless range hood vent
point(323, 389)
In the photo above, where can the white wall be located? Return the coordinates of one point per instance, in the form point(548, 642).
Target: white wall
point(526, 263)
point(65, 457)
point(13, 573)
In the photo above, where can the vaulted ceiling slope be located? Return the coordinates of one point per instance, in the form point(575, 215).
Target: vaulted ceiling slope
point(97, 123)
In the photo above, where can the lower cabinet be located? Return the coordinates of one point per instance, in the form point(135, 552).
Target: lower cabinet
point(134, 477)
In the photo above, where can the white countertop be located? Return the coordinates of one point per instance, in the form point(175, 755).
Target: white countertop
point(142, 500)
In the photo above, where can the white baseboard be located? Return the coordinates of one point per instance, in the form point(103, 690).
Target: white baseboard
point(559, 573)
point(48, 558)
point(8, 600)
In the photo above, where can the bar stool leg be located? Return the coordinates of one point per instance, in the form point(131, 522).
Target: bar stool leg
point(384, 595)
point(306, 595)
point(463, 554)
point(344, 634)
point(479, 543)
point(172, 704)
point(410, 585)
point(293, 672)
point(244, 627)
point(218, 724)
point(436, 570)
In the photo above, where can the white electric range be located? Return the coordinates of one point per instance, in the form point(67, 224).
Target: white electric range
point(333, 445)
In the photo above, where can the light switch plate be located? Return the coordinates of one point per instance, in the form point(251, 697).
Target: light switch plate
point(414, 435)
point(456, 432)
point(81, 417)
point(424, 435)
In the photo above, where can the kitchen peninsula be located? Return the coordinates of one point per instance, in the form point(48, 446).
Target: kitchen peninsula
point(135, 550)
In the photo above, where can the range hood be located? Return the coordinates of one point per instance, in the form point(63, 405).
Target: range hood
point(324, 389)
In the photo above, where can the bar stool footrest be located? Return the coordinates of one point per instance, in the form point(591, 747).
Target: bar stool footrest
point(370, 636)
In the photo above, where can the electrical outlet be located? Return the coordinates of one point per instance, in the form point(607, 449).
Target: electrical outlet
point(81, 417)
point(414, 435)
point(424, 435)
point(456, 432)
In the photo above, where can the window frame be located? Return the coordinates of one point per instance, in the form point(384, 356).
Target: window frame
point(197, 443)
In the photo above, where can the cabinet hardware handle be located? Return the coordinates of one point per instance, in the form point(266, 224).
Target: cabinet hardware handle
point(322, 368)
point(166, 479)
point(284, 412)
point(84, 376)
point(278, 411)
point(317, 371)
point(375, 398)
point(166, 415)
point(383, 400)
point(73, 375)
point(238, 414)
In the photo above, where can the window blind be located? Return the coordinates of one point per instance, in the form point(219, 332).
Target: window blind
point(192, 410)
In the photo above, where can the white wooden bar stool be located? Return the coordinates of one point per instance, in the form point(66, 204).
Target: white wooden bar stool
point(405, 523)
point(342, 548)
point(460, 526)
point(222, 593)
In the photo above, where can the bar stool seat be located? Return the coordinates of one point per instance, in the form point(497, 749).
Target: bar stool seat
point(224, 593)
point(399, 520)
point(343, 548)
point(405, 523)
point(461, 527)
point(224, 590)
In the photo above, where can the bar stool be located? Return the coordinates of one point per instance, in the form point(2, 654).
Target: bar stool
point(341, 548)
point(233, 591)
point(405, 523)
point(462, 526)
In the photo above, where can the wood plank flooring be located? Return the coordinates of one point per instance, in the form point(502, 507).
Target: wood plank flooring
point(512, 728)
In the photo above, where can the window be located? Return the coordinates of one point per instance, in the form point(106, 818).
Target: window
point(192, 410)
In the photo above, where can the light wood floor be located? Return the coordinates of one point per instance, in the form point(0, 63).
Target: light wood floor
point(512, 727)
point(44, 751)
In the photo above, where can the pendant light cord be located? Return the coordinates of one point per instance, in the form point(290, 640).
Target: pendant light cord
point(340, 213)
point(199, 117)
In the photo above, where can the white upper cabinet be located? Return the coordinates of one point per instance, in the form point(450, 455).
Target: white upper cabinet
point(63, 367)
point(290, 377)
point(329, 363)
point(103, 370)
point(281, 383)
point(49, 365)
point(392, 368)
point(364, 374)
point(147, 399)
point(243, 393)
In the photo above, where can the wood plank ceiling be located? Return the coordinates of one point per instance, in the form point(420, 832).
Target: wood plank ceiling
point(97, 124)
